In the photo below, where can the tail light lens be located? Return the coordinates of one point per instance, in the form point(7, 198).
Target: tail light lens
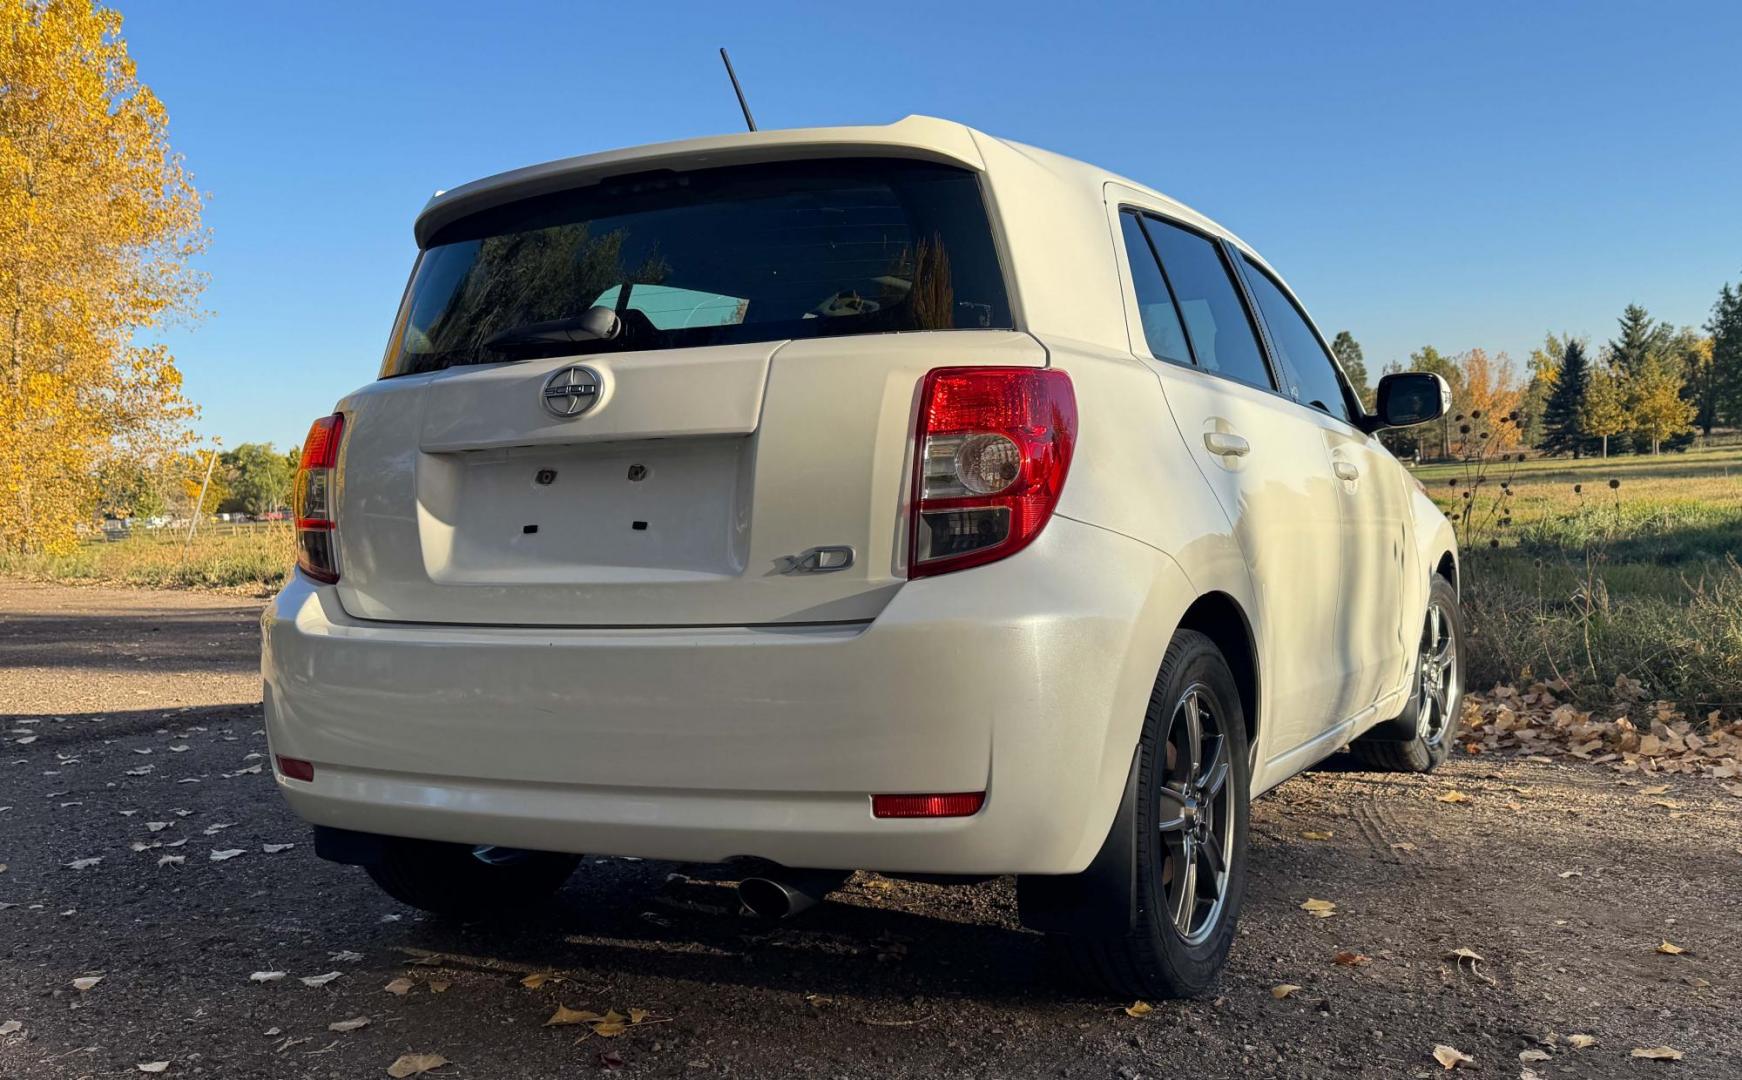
point(962, 804)
point(313, 502)
point(992, 448)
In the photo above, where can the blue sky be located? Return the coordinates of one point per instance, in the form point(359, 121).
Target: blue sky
point(1470, 174)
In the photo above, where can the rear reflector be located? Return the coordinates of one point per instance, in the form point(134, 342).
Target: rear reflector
point(965, 804)
point(296, 769)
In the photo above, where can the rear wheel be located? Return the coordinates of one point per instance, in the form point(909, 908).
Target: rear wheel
point(467, 881)
point(1422, 735)
point(1190, 829)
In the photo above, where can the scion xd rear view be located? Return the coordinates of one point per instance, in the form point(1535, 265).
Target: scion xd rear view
point(895, 498)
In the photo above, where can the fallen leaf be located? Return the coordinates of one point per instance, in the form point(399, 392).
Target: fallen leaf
point(1450, 1057)
point(1461, 954)
point(1453, 796)
point(565, 1015)
point(230, 853)
point(85, 983)
point(349, 1025)
point(1310, 835)
point(266, 976)
point(157, 826)
point(152, 1066)
point(401, 986)
point(320, 980)
point(84, 864)
point(1572, 873)
point(1581, 1042)
point(1657, 1053)
point(1283, 990)
point(537, 979)
point(1658, 790)
point(438, 986)
point(1403, 845)
point(217, 827)
point(171, 860)
point(1351, 959)
point(1534, 1055)
point(1319, 909)
point(1139, 1008)
point(1670, 950)
point(636, 1016)
point(611, 1026)
point(273, 849)
point(610, 1060)
point(11, 1027)
point(413, 1064)
point(345, 955)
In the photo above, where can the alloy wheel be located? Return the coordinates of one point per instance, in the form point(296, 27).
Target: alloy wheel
point(1196, 816)
point(1438, 673)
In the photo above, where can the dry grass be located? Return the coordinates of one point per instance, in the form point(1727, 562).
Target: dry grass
point(1592, 570)
point(253, 559)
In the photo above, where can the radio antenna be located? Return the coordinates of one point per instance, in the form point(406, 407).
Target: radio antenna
point(749, 120)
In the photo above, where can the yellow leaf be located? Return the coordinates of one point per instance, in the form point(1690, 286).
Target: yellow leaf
point(537, 979)
point(611, 1024)
point(1581, 1042)
point(1461, 954)
point(1657, 1053)
point(1670, 950)
point(566, 1015)
point(1450, 1057)
point(1139, 1008)
point(439, 986)
point(1319, 909)
point(413, 1064)
point(636, 1016)
point(1283, 990)
point(1453, 796)
point(1310, 835)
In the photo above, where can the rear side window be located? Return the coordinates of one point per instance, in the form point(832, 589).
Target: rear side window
point(716, 256)
point(1209, 303)
point(1161, 326)
point(1308, 366)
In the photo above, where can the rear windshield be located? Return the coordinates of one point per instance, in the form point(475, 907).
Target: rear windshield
point(748, 253)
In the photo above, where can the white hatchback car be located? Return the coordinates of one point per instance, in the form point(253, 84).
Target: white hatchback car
point(896, 498)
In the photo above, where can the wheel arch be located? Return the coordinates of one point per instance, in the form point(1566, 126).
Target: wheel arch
point(1219, 617)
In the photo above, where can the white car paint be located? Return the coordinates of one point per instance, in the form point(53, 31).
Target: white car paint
point(452, 689)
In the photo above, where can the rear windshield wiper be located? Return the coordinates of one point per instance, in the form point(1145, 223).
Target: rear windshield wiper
point(594, 325)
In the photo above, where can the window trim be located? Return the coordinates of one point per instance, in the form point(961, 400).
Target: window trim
point(1249, 263)
point(1233, 272)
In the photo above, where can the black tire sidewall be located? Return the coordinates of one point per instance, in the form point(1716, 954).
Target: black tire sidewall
point(1190, 969)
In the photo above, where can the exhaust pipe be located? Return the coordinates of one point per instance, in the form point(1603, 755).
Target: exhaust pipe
point(789, 893)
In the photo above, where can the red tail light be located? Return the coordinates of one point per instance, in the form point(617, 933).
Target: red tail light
point(296, 769)
point(991, 452)
point(963, 804)
point(314, 500)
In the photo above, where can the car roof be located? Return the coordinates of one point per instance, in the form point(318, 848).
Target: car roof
point(921, 137)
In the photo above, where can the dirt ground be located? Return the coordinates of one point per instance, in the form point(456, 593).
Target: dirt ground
point(122, 709)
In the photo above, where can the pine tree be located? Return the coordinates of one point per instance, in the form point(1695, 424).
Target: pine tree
point(1726, 330)
point(1348, 353)
point(1642, 338)
point(1562, 431)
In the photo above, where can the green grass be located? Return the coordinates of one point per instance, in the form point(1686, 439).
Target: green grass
point(252, 559)
point(1595, 568)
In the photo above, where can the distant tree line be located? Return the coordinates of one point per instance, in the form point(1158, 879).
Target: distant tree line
point(1646, 390)
point(253, 479)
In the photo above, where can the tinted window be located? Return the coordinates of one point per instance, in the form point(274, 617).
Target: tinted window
point(1209, 301)
point(1304, 360)
point(1161, 327)
point(715, 256)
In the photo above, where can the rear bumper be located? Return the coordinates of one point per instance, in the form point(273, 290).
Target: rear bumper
point(1025, 679)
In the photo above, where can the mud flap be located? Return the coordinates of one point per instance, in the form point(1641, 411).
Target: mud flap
point(1102, 900)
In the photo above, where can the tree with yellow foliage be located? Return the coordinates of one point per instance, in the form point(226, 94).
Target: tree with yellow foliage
point(98, 219)
point(1489, 396)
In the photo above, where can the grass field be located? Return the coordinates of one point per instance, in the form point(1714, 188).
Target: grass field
point(1595, 568)
point(252, 559)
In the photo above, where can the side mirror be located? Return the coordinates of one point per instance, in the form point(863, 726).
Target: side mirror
point(1407, 398)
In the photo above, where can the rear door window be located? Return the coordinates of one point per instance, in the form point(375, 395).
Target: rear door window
point(1155, 307)
point(1215, 316)
point(1307, 364)
point(711, 257)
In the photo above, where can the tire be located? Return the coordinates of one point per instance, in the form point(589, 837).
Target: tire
point(463, 881)
point(1422, 736)
point(1198, 819)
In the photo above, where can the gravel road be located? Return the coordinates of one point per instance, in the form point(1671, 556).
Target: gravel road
point(131, 720)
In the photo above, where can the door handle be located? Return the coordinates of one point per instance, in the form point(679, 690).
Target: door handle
point(1346, 470)
point(1226, 444)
